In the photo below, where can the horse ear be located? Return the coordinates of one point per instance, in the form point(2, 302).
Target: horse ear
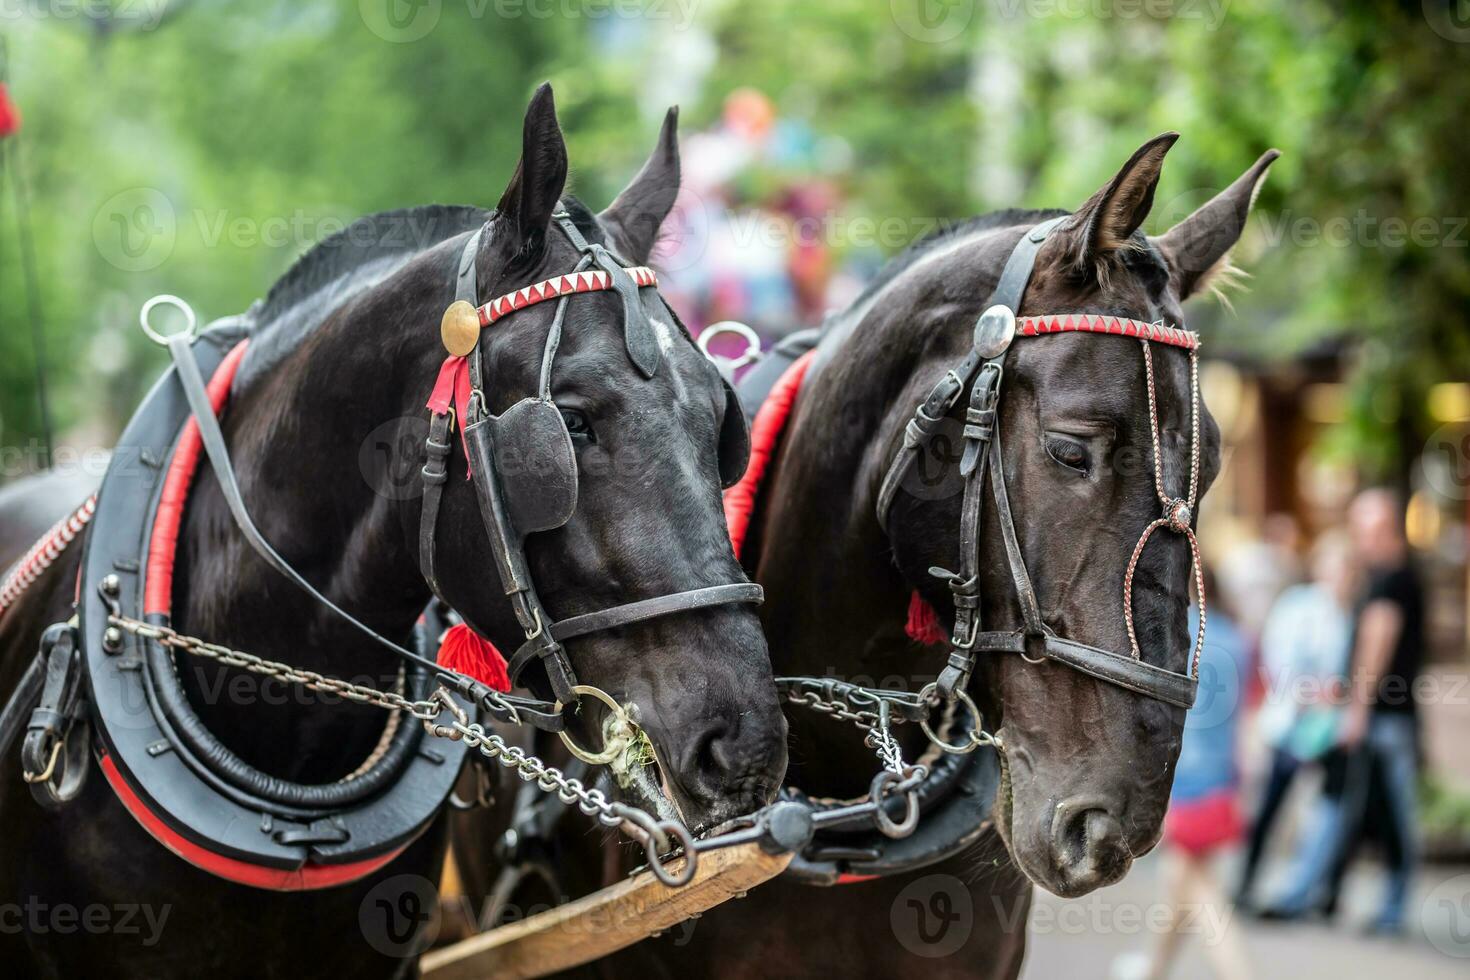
point(1197, 248)
point(536, 186)
point(634, 218)
point(1110, 217)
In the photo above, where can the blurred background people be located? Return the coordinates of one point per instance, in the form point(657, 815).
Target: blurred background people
point(1379, 730)
point(1204, 811)
point(1304, 658)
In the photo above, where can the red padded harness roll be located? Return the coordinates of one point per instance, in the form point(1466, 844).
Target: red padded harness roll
point(765, 435)
point(163, 543)
point(163, 540)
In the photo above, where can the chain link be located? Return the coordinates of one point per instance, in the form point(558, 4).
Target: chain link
point(657, 837)
point(425, 710)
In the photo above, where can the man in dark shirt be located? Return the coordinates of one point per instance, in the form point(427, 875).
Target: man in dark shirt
point(1382, 717)
point(1379, 725)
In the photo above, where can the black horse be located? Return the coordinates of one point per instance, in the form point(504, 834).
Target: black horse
point(343, 353)
point(1086, 766)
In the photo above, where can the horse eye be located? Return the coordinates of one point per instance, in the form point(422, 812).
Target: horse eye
point(576, 423)
point(1072, 455)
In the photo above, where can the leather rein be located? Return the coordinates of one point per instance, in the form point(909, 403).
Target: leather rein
point(981, 372)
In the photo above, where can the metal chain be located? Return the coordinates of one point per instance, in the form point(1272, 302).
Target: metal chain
point(425, 710)
point(658, 837)
point(880, 739)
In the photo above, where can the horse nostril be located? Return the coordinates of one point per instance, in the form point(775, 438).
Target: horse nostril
point(1089, 843)
point(710, 752)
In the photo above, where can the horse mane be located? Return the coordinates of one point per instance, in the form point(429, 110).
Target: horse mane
point(942, 236)
point(354, 259)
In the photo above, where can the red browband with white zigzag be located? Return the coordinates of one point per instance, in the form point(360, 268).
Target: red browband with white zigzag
point(557, 286)
point(1037, 326)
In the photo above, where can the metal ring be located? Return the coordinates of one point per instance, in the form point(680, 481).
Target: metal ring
point(977, 737)
point(884, 822)
point(167, 299)
point(45, 774)
point(751, 338)
point(691, 857)
point(607, 754)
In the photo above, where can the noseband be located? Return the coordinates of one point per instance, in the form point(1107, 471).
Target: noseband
point(522, 461)
point(981, 372)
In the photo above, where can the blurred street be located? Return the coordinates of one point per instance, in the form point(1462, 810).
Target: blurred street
point(1065, 943)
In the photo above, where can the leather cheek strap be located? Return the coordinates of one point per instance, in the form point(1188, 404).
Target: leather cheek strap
point(1115, 668)
point(638, 612)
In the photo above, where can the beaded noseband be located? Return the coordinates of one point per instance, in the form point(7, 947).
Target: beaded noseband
point(981, 373)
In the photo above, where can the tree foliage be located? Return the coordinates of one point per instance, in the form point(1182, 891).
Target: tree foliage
point(252, 131)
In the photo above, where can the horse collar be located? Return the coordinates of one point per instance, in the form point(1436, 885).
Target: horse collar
point(188, 790)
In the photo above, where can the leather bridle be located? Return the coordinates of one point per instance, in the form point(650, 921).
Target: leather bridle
point(982, 372)
point(534, 427)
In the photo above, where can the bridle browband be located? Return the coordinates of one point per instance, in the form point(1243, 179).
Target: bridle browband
point(982, 371)
point(531, 426)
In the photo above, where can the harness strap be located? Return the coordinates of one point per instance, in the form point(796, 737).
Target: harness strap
point(1138, 676)
point(983, 458)
point(502, 707)
point(543, 636)
point(435, 474)
point(638, 612)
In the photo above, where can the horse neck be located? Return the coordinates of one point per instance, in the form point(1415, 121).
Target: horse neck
point(295, 436)
point(835, 603)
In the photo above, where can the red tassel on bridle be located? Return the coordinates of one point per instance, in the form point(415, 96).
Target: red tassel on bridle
point(469, 653)
point(923, 625)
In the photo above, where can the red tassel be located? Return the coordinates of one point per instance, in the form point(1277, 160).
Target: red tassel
point(9, 114)
point(465, 651)
point(923, 625)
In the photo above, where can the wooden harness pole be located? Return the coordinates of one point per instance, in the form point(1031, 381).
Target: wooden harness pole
point(604, 922)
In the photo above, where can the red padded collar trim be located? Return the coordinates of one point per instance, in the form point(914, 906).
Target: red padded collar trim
point(765, 434)
point(308, 877)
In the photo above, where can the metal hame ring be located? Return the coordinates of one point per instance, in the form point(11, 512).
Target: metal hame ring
point(167, 299)
point(741, 330)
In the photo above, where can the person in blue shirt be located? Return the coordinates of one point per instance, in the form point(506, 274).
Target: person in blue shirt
point(1204, 812)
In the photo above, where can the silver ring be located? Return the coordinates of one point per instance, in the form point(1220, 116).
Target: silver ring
point(167, 299)
point(974, 738)
point(752, 342)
